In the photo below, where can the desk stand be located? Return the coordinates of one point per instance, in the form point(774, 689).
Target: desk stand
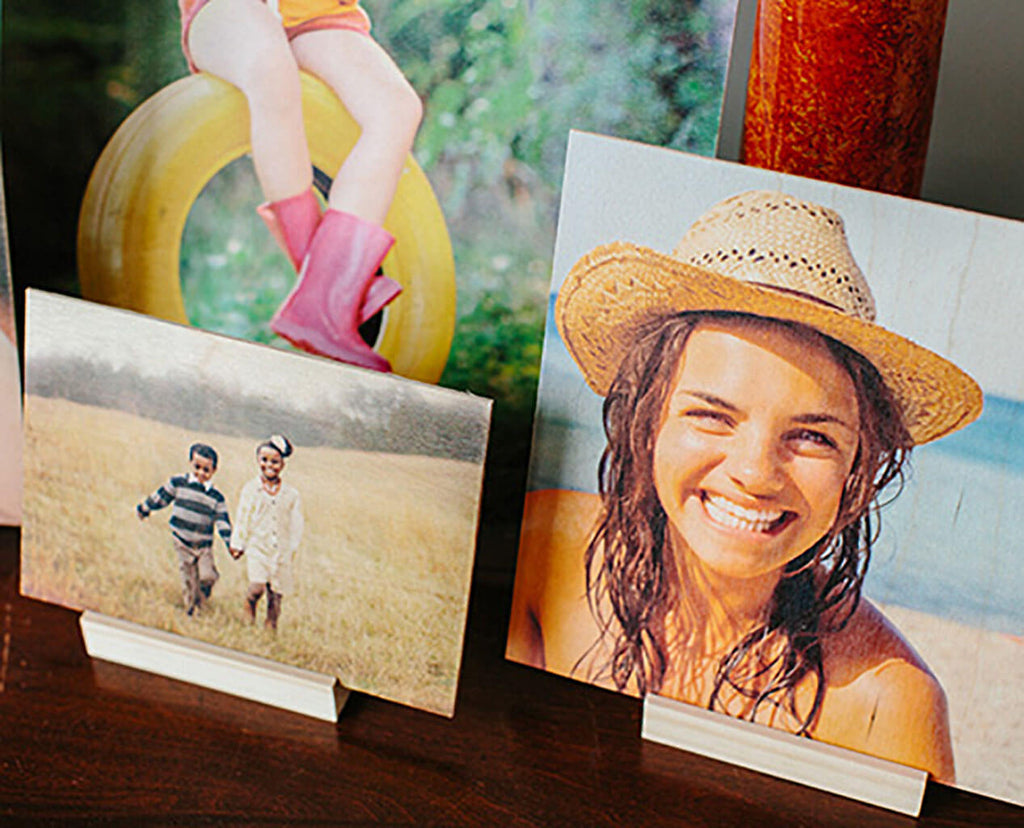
point(229, 671)
point(760, 748)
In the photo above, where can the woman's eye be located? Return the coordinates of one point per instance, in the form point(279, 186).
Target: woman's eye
point(813, 438)
point(709, 418)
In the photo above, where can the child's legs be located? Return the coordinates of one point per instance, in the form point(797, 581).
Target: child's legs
point(380, 99)
point(252, 598)
point(274, 600)
point(242, 42)
point(188, 569)
point(207, 570)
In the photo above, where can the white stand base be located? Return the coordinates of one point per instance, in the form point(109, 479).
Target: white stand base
point(229, 671)
point(760, 748)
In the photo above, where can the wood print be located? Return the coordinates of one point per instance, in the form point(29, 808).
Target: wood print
point(737, 558)
point(283, 505)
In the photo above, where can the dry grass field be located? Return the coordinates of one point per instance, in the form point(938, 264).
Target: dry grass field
point(383, 571)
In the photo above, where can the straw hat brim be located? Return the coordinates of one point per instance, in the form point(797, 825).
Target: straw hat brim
point(617, 287)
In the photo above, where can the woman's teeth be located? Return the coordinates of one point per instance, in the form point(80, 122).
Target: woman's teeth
point(734, 516)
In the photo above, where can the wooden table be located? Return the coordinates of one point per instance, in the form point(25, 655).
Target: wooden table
point(84, 741)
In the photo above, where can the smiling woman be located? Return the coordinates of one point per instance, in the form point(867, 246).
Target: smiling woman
point(754, 412)
point(751, 472)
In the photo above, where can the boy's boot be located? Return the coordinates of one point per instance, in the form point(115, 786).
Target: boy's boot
point(252, 598)
point(273, 608)
point(292, 222)
point(322, 312)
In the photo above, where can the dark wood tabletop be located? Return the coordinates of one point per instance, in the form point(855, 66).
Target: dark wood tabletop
point(87, 742)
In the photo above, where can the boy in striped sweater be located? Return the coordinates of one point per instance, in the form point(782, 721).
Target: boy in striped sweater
point(197, 508)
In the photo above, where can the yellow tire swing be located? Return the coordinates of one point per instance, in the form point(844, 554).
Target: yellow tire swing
point(158, 162)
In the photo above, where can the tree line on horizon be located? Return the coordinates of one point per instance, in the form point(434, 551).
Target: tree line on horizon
point(393, 417)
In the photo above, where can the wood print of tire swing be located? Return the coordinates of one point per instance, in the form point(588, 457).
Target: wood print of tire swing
point(159, 160)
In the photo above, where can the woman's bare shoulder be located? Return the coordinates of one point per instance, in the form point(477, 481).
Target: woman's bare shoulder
point(866, 641)
point(550, 614)
point(881, 698)
point(561, 514)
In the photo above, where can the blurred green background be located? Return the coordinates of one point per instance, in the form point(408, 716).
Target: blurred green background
point(502, 81)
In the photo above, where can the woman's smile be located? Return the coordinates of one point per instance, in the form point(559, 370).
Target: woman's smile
point(758, 436)
point(731, 515)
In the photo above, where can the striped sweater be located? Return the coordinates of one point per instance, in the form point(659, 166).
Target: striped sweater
point(196, 511)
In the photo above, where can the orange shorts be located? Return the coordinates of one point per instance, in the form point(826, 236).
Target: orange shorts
point(297, 17)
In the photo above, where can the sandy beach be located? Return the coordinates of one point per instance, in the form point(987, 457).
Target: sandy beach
point(982, 673)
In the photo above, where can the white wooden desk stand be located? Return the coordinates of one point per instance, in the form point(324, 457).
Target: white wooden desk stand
point(229, 671)
point(784, 755)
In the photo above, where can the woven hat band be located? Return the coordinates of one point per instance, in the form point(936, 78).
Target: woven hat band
point(799, 294)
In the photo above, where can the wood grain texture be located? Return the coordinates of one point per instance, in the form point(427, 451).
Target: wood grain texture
point(86, 742)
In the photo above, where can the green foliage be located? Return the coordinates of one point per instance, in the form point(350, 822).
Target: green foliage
point(504, 81)
point(233, 276)
point(495, 350)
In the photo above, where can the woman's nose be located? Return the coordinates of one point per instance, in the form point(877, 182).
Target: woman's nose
point(753, 463)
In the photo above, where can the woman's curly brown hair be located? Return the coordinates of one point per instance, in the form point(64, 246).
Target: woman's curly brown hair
point(630, 567)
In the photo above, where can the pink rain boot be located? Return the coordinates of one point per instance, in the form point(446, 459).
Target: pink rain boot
point(322, 312)
point(292, 222)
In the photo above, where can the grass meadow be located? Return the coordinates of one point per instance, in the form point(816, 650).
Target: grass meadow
point(382, 574)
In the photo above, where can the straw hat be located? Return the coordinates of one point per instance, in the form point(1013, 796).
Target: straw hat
point(766, 254)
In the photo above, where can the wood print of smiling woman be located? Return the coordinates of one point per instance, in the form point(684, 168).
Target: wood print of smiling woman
point(754, 412)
